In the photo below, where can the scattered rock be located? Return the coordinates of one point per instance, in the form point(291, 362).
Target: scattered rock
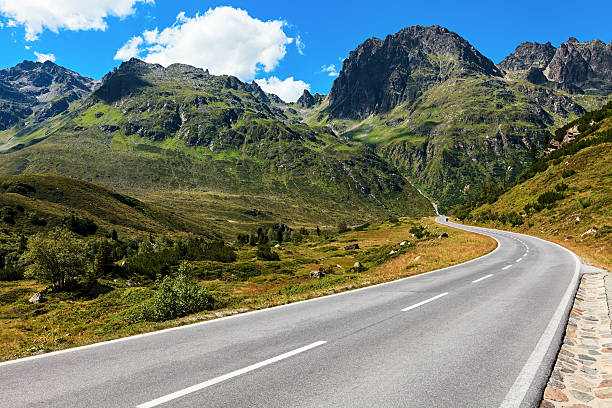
point(417, 258)
point(277, 246)
point(403, 243)
point(38, 297)
point(590, 231)
point(130, 282)
point(393, 252)
point(357, 265)
point(317, 274)
point(578, 219)
point(351, 247)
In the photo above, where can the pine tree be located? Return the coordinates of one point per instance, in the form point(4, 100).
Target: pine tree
point(103, 261)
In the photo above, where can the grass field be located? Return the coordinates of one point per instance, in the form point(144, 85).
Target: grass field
point(67, 320)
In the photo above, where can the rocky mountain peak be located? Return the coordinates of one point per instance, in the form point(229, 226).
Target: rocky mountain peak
point(381, 74)
point(529, 55)
point(46, 89)
point(308, 100)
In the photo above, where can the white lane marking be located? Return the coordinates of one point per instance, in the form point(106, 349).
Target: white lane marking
point(519, 260)
point(506, 267)
point(198, 387)
point(483, 278)
point(519, 389)
point(424, 302)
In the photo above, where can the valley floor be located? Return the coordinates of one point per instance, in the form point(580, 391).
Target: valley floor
point(65, 320)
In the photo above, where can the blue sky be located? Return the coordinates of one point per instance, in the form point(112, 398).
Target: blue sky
point(86, 38)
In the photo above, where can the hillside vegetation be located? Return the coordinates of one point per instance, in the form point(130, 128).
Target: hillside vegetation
point(566, 195)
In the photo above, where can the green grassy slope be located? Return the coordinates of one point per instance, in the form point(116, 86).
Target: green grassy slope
point(31, 203)
point(150, 129)
point(464, 132)
point(567, 195)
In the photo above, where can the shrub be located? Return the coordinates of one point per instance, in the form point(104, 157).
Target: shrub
point(81, 226)
point(418, 231)
point(265, 253)
point(514, 218)
point(177, 297)
point(561, 187)
point(549, 198)
point(584, 202)
point(568, 173)
point(342, 227)
point(57, 257)
point(11, 274)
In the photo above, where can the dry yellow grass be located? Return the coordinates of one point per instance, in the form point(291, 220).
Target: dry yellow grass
point(67, 321)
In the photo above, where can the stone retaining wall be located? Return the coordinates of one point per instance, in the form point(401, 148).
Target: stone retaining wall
point(582, 376)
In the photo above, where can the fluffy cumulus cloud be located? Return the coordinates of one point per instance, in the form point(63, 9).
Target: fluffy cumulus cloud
point(225, 40)
point(38, 15)
point(288, 90)
point(40, 57)
point(130, 49)
point(330, 70)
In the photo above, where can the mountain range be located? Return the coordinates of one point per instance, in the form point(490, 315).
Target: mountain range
point(420, 110)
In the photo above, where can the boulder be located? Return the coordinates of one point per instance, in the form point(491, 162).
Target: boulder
point(318, 273)
point(357, 265)
point(403, 243)
point(38, 297)
point(351, 247)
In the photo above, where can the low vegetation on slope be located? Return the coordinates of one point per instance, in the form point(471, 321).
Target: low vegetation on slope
point(566, 195)
point(149, 129)
point(35, 203)
point(117, 287)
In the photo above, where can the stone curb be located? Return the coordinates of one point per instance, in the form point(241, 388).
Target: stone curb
point(582, 375)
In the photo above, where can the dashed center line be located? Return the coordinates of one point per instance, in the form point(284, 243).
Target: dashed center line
point(519, 260)
point(197, 387)
point(506, 267)
point(424, 302)
point(483, 278)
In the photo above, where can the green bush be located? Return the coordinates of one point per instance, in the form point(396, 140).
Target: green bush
point(568, 173)
point(265, 253)
point(584, 202)
point(11, 274)
point(178, 297)
point(57, 257)
point(418, 231)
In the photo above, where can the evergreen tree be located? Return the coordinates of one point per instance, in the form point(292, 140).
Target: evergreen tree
point(103, 261)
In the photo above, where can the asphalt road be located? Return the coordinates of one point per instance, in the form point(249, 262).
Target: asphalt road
point(480, 334)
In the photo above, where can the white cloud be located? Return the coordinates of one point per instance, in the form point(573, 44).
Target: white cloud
point(27, 47)
point(299, 44)
point(44, 57)
point(223, 40)
point(74, 15)
point(330, 70)
point(130, 49)
point(288, 90)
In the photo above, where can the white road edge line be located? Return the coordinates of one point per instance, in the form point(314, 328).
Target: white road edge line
point(247, 314)
point(424, 302)
point(517, 393)
point(198, 387)
point(506, 267)
point(483, 278)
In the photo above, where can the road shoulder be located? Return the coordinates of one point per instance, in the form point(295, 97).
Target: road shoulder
point(582, 375)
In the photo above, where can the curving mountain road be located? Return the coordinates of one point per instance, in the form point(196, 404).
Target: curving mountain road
point(480, 334)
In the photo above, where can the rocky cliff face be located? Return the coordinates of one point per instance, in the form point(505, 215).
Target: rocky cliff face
point(308, 100)
point(42, 88)
point(381, 74)
point(529, 55)
point(574, 67)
